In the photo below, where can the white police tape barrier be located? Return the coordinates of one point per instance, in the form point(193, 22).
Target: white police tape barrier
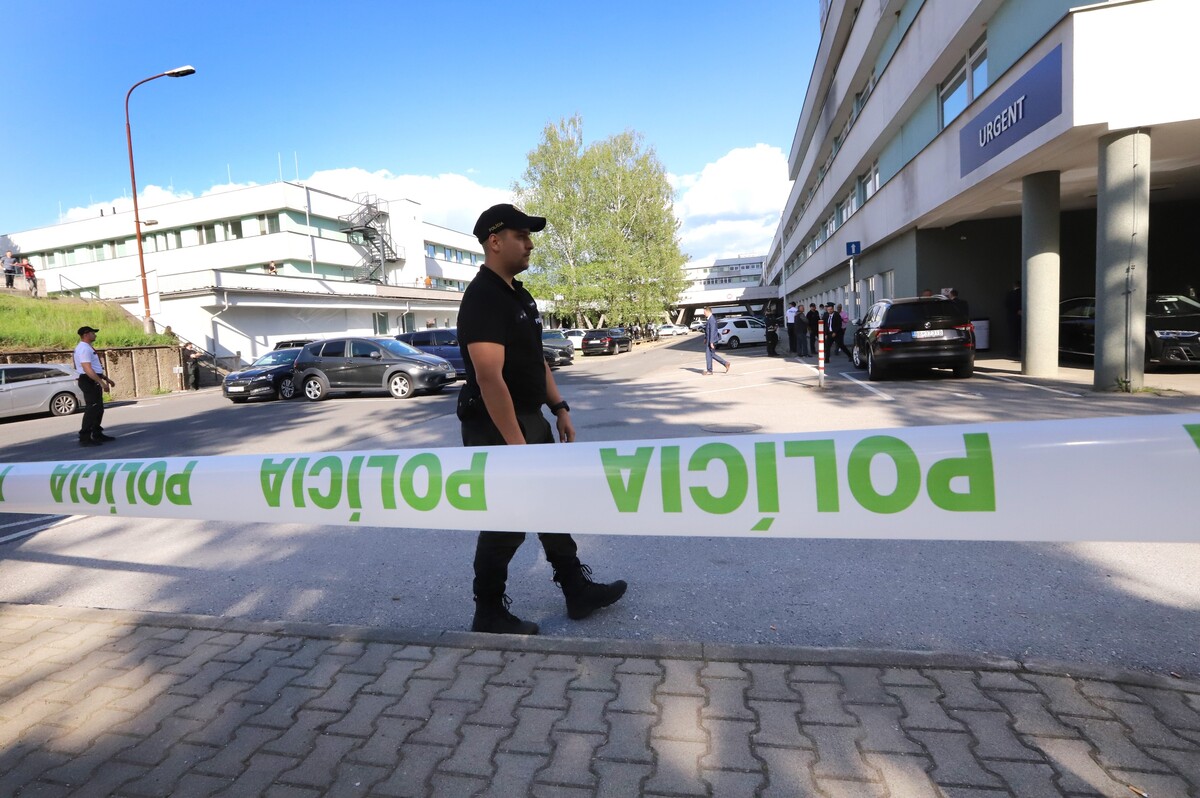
point(1088, 479)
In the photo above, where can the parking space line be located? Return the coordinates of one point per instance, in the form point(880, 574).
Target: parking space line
point(33, 531)
point(23, 523)
point(871, 388)
point(1029, 385)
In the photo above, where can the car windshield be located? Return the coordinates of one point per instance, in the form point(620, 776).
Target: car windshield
point(1171, 305)
point(277, 358)
point(396, 347)
point(552, 335)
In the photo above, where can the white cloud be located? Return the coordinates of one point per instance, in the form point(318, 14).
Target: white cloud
point(449, 200)
point(149, 196)
point(732, 206)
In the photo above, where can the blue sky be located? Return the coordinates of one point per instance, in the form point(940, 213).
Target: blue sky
point(434, 101)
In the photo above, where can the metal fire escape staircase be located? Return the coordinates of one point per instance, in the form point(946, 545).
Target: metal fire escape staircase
point(367, 228)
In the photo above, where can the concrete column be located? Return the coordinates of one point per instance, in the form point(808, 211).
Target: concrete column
point(1122, 238)
point(1040, 273)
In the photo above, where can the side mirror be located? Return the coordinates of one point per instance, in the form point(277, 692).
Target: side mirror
point(376, 356)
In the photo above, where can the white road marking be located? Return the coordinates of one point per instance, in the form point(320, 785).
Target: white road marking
point(1030, 385)
point(26, 533)
point(871, 388)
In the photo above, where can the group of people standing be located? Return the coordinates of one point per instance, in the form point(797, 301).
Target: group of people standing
point(803, 328)
point(12, 268)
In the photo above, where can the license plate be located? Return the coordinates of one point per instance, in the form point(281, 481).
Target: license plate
point(927, 333)
point(235, 389)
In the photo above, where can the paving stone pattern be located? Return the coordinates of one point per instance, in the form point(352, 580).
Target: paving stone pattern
point(107, 703)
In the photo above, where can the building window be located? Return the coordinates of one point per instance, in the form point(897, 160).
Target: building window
point(273, 223)
point(966, 81)
point(380, 323)
point(233, 230)
point(207, 233)
point(430, 251)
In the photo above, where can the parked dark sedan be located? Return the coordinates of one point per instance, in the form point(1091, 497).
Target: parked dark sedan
point(364, 364)
point(557, 349)
point(1172, 328)
point(610, 340)
point(921, 331)
point(441, 342)
point(269, 377)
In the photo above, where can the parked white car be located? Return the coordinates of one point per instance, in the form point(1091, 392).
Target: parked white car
point(735, 331)
point(27, 388)
point(576, 338)
point(672, 329)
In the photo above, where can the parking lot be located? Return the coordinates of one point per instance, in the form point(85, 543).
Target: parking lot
point(1132, 605)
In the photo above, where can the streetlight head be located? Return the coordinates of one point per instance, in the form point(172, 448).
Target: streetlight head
point(180, 72)
point(148, 222)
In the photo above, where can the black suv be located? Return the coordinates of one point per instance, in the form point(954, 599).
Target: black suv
point(365, 364)
point(922, 331)
point(442, 341)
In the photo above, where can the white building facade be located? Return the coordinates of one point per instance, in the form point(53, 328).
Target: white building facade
point(976, 143)
point(728, 285)
point(237, 271)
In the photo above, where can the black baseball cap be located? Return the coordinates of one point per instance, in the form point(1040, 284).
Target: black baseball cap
point(84, 330)
point(499, 217)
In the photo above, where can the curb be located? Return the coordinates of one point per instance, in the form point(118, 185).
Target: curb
point(780, 655)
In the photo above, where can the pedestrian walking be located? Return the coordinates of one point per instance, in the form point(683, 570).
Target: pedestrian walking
point(92, 380)
point(10, 268)
point(508, 381)
point(30, 277)
point(191, 364)
point(813, 317)
point(1012, 313)
point(710, 343)
point(789, 318)
point(960, 303)
point(772, 339)
point(834, 331)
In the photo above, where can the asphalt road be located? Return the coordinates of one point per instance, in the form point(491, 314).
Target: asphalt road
point(1133, 605)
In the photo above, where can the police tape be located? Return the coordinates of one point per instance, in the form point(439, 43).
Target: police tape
point(1090, 479)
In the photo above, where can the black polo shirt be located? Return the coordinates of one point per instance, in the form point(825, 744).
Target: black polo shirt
point(494, 313)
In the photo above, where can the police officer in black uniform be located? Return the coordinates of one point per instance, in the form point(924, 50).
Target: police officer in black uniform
point(508, 381)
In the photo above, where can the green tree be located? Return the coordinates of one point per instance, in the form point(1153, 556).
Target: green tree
point(611, 247)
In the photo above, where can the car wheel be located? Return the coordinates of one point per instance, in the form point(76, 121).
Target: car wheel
point(287, 388)
point(874, 372)
point(734, 342)
point(315, 389)
point(63, 404)
point(612, 350)
point(857, 357)
point(962, 372)
point(400, 386)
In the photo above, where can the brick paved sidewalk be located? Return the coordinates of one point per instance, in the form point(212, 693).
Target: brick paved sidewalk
point(101, 702)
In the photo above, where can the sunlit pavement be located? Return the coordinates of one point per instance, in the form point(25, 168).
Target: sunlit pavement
point(121, 703)
point(106, 702)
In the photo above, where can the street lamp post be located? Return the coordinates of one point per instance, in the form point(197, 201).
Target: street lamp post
point(178, 72)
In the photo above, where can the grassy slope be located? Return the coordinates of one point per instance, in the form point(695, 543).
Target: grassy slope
point(31, 324)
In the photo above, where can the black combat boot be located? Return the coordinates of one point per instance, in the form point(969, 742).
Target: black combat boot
point(583, 595)
point(492, 616)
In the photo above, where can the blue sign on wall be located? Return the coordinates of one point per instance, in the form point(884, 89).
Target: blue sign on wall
point(853, 248)
point(1033, 100)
